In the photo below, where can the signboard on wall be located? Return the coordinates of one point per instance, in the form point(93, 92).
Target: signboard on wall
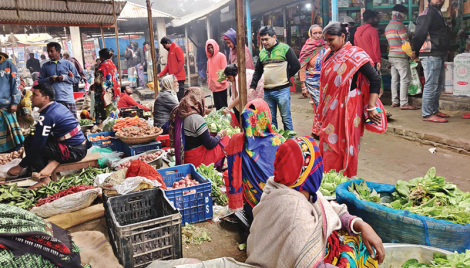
point(89, 52)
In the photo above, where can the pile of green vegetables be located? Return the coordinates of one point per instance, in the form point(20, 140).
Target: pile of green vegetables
point(217, 121)
point(25, 198)
point(86, 122)
point(108, 126)
point(440, 260)
point(287, 134)
point(330, 181)
point(217, 181)
point(430, 196)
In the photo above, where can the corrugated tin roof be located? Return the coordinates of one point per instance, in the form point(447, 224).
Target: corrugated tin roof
point(199, 14)
point(59, 12)
point(132, 11)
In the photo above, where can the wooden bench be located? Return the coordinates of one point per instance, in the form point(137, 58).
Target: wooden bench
point(89, 160)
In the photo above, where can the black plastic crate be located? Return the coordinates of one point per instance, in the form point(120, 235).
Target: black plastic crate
point(143, 227)
point(131, 112)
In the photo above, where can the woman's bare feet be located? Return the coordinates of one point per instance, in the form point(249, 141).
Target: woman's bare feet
point(41, 182)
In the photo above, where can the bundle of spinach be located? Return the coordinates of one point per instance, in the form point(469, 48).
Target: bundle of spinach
point(217, 181)
point(217, 121)
point(430, 196)
point(363, 192)
point(287, 134)
point(330, 181)
point(442, 261)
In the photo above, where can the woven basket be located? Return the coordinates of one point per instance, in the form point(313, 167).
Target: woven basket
point(138, 140)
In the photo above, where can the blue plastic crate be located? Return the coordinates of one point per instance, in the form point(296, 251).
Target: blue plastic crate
point(114, 144)
point(131, 150)
point(195, 207)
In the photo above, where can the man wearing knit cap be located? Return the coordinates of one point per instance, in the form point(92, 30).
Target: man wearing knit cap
point(397, 36)
point(431, 44)
point(230, 38)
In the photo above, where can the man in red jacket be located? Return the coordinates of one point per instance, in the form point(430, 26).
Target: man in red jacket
point(175, 64)
point(367, 37)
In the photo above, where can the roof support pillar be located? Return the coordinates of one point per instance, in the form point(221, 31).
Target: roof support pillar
point(188, 62)
point(117, 44)
point(241, 60)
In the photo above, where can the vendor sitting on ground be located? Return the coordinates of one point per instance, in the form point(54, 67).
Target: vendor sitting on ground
point(231, 72)
point(166, 100)
point(57, 139)
point(251, 157)
point(295, 226)
point(190, 136)
point(126, 100)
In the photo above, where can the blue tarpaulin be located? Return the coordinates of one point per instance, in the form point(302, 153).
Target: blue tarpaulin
point(111, 43)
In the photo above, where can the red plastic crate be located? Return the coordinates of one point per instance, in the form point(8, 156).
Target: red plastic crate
point(164, 139)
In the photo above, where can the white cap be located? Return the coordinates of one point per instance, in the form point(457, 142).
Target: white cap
point(348, 19)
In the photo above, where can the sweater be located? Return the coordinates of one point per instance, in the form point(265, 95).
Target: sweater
point(278, 64)
point(127, 101)
point(367, 38)
point(55, 121)
point(396, 36)
point(215, 63)
point(164, 104)
point(432, 34)
point(63, 89)
point(197, 133)
point(9, 82)
point(175, 63)
point(233, 58)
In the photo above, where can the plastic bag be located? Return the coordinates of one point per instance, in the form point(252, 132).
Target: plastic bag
point(107, 155)
point(411, 28)
point(415, 86)
point(4, 169)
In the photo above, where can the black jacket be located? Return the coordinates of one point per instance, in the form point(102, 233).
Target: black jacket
point(33, 65)
point(431, 21)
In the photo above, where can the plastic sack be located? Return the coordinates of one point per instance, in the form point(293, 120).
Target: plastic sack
point(4, 170)
point(68, 203)
point(415, 86)
point(127, 185)
point(192, 263)
point(107, 155)
point(402, 226)
point(114, 164)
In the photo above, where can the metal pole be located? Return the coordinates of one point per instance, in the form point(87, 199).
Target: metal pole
point(102, 36)
point(334, 10)
point(187, 54)
point(117, 44)
point(208, 27)
point(152, 47)
point(240, 17)
point(248, 26)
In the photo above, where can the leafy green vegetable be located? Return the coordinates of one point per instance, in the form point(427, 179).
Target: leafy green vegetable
point(222, 76)
point(85, 122)
point(217, 121)
point(454, 260)
point(330, 181)
point(194, 235)
point(430, 196)
point(217, 181)
point(17, 196)
point(287, 134)
point(363, 192)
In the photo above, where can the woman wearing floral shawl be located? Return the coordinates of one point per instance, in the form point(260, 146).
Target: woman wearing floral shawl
point(311, 58)
point(251, 157)
point(295, 226)
point(190, 136)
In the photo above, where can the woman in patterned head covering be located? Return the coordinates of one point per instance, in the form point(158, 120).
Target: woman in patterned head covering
point(190, 136)
point(295, 226)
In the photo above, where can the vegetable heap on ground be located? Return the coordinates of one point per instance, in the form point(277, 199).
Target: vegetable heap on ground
point(25, 198)
point(440, 260)
point(287, 134)
point(430, 196)
point(129, 122)
point(194, 235)
point(330, 181)
point(7, 158)
point(69, 191)
point(86, 122)
point(217, 181)
point(217, 121)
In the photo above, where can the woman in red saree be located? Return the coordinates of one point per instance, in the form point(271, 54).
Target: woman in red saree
point(349, 96)
point(190, 136)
